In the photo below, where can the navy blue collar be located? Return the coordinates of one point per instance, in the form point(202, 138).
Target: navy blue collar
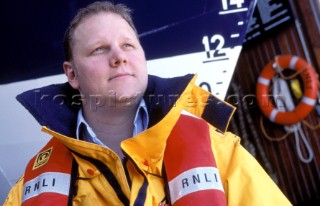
point(56, 106)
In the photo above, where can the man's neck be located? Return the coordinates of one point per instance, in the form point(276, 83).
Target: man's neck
point(112, 124)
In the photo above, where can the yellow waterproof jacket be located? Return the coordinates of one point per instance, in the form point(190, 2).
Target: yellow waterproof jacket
point(139, 180)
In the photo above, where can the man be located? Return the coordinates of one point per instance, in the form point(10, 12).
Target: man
point(135, 139)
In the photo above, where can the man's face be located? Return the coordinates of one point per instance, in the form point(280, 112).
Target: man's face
point(108, 59)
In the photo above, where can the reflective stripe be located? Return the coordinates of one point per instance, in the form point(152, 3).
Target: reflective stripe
point(54, 182)
point(193, 180)
point(264, 81)
point(276, 65)
point(273, 115)
point(308, 101)
point(293, 62)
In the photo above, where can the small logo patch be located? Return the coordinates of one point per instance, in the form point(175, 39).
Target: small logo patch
point(42, 158)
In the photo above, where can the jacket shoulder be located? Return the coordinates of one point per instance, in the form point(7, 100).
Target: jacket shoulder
point(15, 195)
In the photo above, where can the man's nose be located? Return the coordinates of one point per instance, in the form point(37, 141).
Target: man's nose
point(118, 58)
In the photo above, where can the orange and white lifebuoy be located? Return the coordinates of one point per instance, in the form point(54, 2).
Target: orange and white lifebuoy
point(310, 85)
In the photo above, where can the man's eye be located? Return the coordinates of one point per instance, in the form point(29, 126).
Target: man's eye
point(99, 49)
point(127, 45)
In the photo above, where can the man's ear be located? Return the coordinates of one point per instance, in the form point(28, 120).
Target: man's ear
point(71, 74)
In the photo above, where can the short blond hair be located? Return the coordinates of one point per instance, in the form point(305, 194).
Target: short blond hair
point(92, 9)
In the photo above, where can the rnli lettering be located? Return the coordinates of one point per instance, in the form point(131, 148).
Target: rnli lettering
point(197, 179)
point(54, 182)
point(39, 185)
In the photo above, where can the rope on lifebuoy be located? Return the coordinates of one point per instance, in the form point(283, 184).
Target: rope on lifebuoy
point(275, 139)
point(308, 100)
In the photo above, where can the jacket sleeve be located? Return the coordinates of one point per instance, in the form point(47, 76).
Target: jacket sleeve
point(248, 184)
point(15, 195)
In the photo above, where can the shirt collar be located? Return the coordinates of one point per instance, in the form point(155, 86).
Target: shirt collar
point(85, 132)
